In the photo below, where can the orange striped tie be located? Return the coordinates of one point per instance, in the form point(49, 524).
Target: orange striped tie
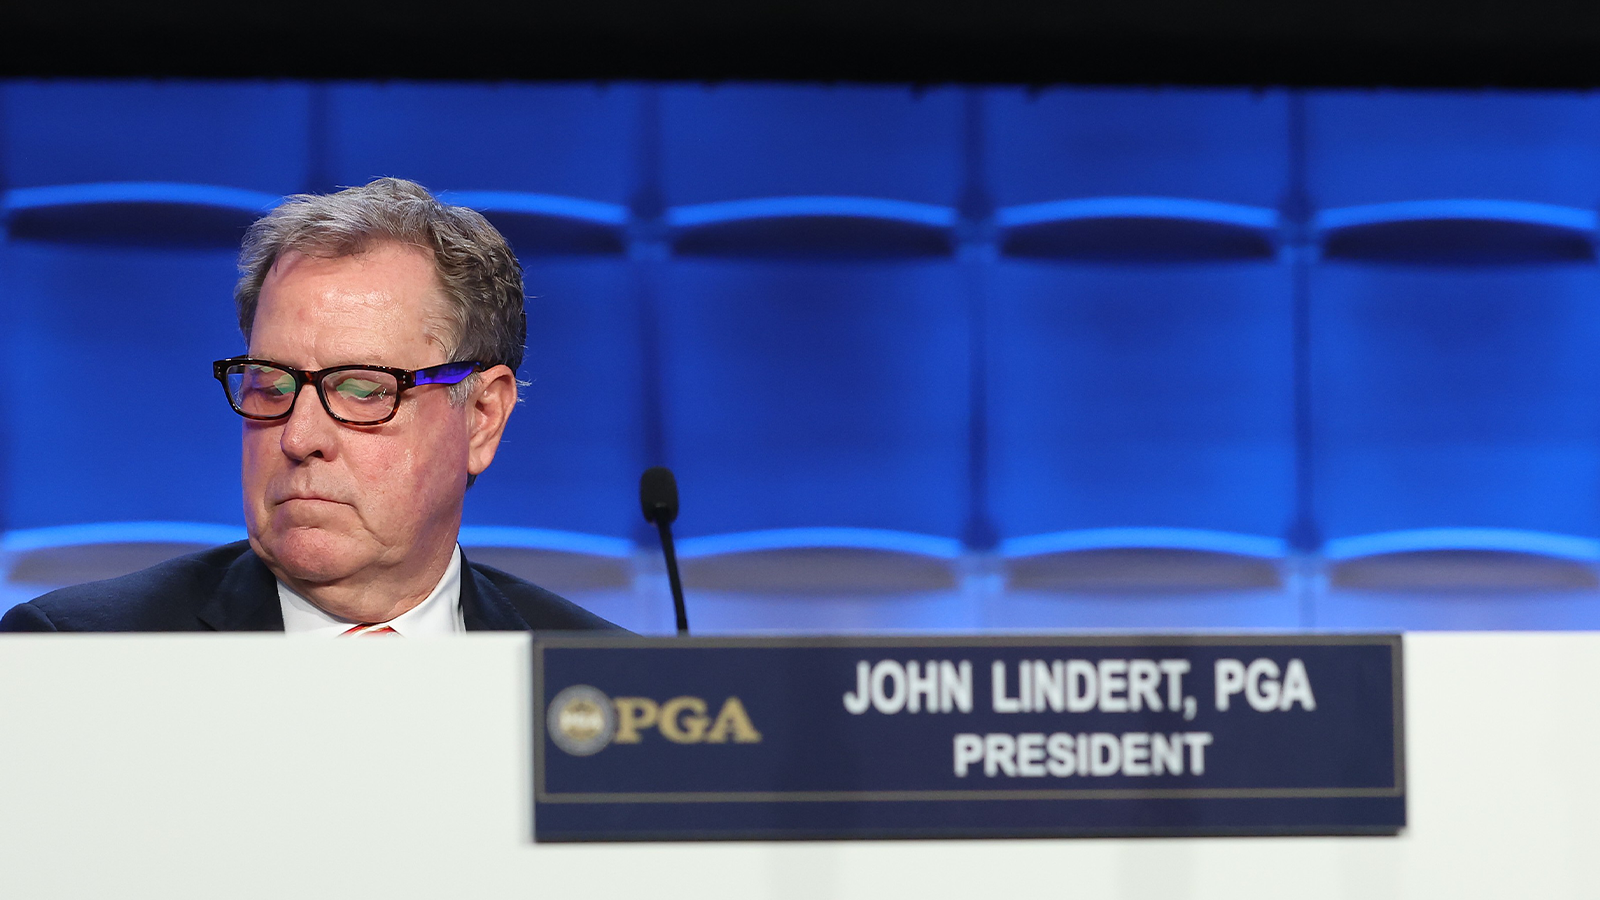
point(369, 631)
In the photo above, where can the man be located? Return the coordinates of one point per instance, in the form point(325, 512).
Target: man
point(384, 332)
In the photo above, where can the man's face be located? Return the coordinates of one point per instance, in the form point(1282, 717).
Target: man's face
point(328, 504)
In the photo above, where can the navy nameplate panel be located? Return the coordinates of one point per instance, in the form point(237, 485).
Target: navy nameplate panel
point(750, 738)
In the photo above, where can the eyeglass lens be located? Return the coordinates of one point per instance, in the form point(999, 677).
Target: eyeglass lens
point(355, 395)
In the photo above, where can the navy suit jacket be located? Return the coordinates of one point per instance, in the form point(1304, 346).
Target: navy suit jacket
point(229, 588)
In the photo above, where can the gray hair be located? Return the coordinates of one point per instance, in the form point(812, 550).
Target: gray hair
point(480, 275)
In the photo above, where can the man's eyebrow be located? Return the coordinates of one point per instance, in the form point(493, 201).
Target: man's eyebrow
point(373, 360)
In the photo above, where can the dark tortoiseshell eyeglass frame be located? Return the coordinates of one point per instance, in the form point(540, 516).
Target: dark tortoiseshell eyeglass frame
point(404, 380)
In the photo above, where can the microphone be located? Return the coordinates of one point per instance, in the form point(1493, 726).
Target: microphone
point(658, 497)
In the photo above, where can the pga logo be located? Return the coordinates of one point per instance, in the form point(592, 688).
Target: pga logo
point(582, 721)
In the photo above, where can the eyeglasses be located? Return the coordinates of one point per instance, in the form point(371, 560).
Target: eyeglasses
point(355, 395)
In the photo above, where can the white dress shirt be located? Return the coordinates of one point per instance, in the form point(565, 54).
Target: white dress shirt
point(440, 613)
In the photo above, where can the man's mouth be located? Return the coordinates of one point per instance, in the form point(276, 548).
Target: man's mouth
point(306, 498)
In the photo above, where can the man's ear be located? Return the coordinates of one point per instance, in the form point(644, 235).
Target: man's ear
point(491, 404)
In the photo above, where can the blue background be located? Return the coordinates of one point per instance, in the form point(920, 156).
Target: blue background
point(949, 358)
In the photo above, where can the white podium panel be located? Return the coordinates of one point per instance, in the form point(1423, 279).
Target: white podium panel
point(263, 766)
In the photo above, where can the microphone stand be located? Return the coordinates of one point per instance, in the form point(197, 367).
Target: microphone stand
point(671, 555)
point(658, 499)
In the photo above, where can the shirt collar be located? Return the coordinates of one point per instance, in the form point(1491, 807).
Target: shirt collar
point(440, 613)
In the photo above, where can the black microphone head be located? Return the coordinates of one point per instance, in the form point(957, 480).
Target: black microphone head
point(658, 495)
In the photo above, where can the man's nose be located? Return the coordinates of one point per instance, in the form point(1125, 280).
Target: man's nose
point(309, 430)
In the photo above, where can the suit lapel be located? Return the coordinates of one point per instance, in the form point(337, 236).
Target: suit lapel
point(484, 607)
point(246, 599)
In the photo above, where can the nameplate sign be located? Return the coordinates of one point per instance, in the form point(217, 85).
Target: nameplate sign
point(1036, 736)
